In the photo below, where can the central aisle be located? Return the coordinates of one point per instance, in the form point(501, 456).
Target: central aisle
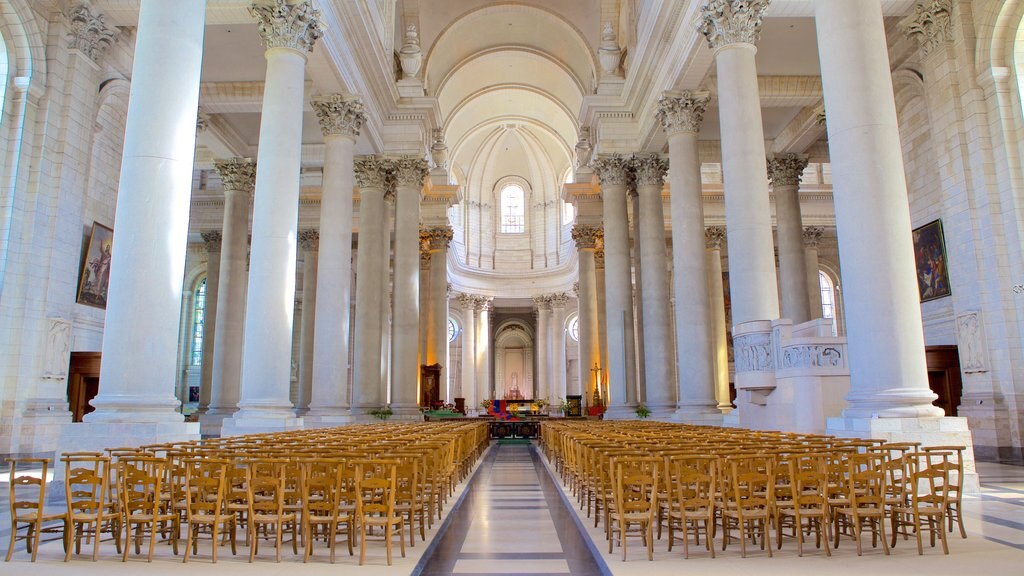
point(513, 521)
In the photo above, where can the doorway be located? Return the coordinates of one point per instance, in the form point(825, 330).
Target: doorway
point(944, 376)
point(83, 383)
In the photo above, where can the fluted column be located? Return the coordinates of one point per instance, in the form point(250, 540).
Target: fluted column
point(309, 241)
point(657, 326)
point(468, 304)
point(811, 238)
point(340, 118)
point(714, 236)
point(681, 115)
point(151, 226)
point(542, 347)
point(437, 240)
point(732, 28)
point(212, 239)
point(785, 174)
point(409, 175)
point(371, 174)
point(587, 239)
point(613, 171)
point(239, 177)
point(888, 374)
point(556, 389)
point(484, 388)
point(289, 32)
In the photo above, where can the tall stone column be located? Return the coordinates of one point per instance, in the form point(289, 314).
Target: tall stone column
point(409, 175)
point(713, 238)
point(811, 238)
point(696, 352)
point(372, 174)
point(340, 118)
point(732, 28)
point(437, 240)
point(542, 346)
point(587, 239)
point(484, 388)
point(238, 176)
point(387, 304)
point(289, 32)
point(888, 375)
point(212, 239)
point(557, 387)
point(614, 173)
point(785, 174)
point(468, 304)
point(657, 325)
point(638, 289)
point(151, 227)
point(309, 241)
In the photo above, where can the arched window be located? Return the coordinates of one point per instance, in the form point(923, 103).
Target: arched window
point(828, 299)
point(3, 73)
point(568, 213)
point(513, 209)
point(574, 328)
point(198, 323)
point(453, 330)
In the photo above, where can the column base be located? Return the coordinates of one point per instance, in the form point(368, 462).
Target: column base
point(406, 413)
point(942, 431)
point(698, 416)
point(335, 418)
point(117, 409)
point(893, 403)
point(258, 421)
point(212, 421)
point(991, 426)
point(32, 427)
point(621, 412)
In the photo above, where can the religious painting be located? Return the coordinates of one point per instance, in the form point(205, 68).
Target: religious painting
point(95, 277)
point(930, 258)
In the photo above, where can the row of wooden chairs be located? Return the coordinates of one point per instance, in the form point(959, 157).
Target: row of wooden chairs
point(741, 485)
point(314, 486)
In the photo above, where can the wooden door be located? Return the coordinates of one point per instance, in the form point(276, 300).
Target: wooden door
point(944, 376)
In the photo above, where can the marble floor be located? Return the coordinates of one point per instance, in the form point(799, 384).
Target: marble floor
point(514, 517)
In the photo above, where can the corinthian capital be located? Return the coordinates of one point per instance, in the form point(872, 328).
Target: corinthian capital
point(339, 115)
point(286, 25)
point(714, 236)
point(212, 239)
point(559, 300)
point(612, 169)
point(309, 239)
point(813, 235)
point(786, 171)
point(89, 33)
point(372, 172)
point(436, 238)
point(237, 174)
point(410, 171)
point(682, 111)
point(587, 237)
point(931, 24)
point(725, 22)
point(650, 170)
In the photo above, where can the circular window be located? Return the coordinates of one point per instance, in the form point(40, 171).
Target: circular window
point(453, 330)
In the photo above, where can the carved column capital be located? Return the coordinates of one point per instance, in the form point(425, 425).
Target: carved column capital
point(587, 237)
point(613, 169)
point(237, 174)
point(786, 171)
point(714, 236)
point(559, 300)
point(287, 25)
point(725, 22)
point(542, 302)
point(309, 239)
point(599, 257)
point(410, 171)
point(339, 115)
point(436, 238)
point(89, 33)
point(813, 236)
point(372, 172)
point(682, 111)
point(649, 170)
point(931, 24)
point(212, 239)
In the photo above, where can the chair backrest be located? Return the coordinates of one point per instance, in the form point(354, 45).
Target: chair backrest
point(809, 477)
point(86, 481)
point(954, 464)
point(205, 486)
point(636, 484)
point(139, 484)
point(751, 480)
point(375, 485)
point(265, 484)
point(929, 477)
point(322, 481)
point(695, 479)
point(867, 480)
point(28, 484)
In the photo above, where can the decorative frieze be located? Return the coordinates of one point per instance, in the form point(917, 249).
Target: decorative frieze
point(283, 24)
point(212, 240)
point(649, 170)
point(339, 114)
point(237, 174)
point(372, 172)
point(931, 24)
point(587, 237)
point(725, 22)
point(714, 237)
point(812, 236)
point(753, 352)
point(88, 32)
point(612, 170)
point(309, 239)
point(786, 171)
point(812, 356)
point(682, 111)
point(436, 238)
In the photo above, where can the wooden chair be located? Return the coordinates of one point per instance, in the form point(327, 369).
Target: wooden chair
point(694, 480)
point(86, 479)
point(808, 474)
point(954, 486)
point(139, 490)
point(27, 493)
point(266, 480)
point(750, 499)
point(205, 489)
point(636, 499)
point(866, 494)
point(926, 500)
point(376, 486)
point(322, 483)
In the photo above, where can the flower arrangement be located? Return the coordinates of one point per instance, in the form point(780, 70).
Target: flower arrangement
point(486, 404)
point(563, 405)
point(642, 412)
point(381, 413)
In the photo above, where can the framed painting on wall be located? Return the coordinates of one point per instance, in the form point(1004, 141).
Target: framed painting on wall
point(95, 276)
point(930, 259)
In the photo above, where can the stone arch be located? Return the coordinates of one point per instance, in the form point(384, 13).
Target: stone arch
point(513, 360)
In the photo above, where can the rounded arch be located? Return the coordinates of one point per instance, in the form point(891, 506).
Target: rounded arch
point(997, 33)
point(513, 360)
point(831, 273)
point(25, 43)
